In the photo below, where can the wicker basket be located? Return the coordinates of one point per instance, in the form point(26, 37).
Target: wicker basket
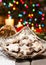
point(13, 38)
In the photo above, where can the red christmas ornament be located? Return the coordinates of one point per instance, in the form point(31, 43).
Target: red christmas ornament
point(18, 29)
point(39, 30)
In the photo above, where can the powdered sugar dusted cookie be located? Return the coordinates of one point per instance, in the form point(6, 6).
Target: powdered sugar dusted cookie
point(37, 46)
point(24, 49)
point(25, 42)
point(13, 47)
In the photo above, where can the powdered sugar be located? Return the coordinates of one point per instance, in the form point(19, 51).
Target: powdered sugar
point(37, 46)
point(24, 49)
point(13, 47)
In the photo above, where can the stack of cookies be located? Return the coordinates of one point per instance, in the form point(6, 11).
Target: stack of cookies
point(24, 44)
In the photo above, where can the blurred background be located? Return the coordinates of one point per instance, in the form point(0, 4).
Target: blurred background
point(22, 13)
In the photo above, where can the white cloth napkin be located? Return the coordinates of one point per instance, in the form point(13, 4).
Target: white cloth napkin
point(4, 60)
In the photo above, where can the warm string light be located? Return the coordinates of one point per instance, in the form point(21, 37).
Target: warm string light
point(17, 2)
point(31, 15)
point(33, 10)
point(35, 19)
point(32, 26)
point(9, 12)
point(14, 8)
point(39, 26)
point(10, 4)
point(25, 5)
